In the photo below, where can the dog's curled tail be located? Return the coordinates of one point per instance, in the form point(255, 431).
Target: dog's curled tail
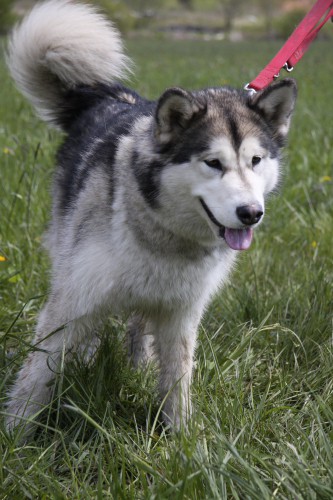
point(62, 45)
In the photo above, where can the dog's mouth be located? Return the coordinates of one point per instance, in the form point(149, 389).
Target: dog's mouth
point(237, 239)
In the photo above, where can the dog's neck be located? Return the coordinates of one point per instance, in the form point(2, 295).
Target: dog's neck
point(152, 235)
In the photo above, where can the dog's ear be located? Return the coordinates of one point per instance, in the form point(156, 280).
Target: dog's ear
point(176, 110)
point(276, 104)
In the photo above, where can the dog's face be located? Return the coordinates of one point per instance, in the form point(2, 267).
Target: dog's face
point(223, 151)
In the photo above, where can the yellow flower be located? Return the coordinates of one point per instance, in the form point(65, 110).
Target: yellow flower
point(314, 244)
point(2, 258)
point(6, 151)
point(326, 178)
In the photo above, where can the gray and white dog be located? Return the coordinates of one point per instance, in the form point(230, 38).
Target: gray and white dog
point(151, 200)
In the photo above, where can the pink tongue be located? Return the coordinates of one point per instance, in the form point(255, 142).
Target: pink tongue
point(238, 239)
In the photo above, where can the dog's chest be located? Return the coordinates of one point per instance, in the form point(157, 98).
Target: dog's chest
point(145, 280)
point(117, 269)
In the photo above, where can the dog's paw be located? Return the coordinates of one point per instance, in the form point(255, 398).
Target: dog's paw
point(176, 412)
point(19, 420)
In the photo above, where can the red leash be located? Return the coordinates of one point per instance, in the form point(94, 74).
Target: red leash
point(296, 45)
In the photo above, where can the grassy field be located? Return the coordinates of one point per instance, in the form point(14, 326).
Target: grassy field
point(263, 385)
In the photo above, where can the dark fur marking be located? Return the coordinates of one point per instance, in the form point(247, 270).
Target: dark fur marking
point(147, 177)
point(235, 134)
point(93, 113)
point(188, 143)
point(82, 98)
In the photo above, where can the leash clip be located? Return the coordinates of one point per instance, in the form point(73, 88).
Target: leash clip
point(249, 89)
point(288, 68)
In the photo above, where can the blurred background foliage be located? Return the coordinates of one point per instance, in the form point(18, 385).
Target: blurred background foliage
point(219, 19)
point(7, 15)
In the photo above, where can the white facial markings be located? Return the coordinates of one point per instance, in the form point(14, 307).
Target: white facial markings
point(267, 170)
point(222, 150)
point(249, 149)
point(238, 184)
point(244, 179)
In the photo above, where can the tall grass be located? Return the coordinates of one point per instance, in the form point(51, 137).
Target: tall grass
point(262, 391)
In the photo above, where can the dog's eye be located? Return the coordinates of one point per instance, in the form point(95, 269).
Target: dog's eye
point(256, 160)
point(215, 163)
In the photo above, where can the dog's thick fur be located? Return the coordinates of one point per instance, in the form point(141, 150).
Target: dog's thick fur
point(152, 200)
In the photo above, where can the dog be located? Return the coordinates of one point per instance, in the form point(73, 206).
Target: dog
point(152, 200)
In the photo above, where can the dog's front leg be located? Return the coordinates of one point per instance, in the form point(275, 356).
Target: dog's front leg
point(175, 338)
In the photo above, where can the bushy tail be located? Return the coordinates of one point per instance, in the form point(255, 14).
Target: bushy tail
point(61, 45)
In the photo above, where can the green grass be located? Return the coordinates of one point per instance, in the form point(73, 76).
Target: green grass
point(263, 387)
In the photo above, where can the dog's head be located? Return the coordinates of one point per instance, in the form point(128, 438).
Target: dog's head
point(222, 150)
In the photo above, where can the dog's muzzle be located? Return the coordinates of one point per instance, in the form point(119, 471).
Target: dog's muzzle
point(237, 239)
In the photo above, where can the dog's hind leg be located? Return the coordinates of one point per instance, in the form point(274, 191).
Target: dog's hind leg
point(139, 341)
point(33, 386)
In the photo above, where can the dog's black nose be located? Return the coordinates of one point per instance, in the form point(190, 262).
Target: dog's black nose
point(249, 214)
